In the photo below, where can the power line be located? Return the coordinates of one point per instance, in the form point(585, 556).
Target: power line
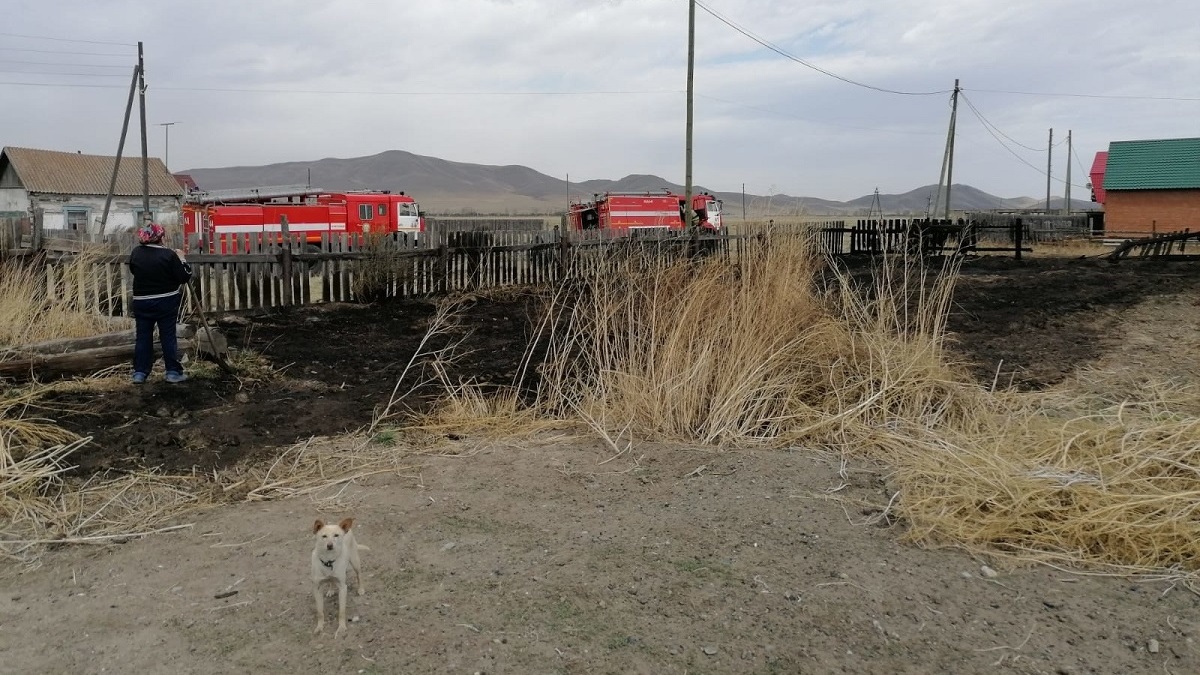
point(1126, 97)
point(1078, 163)
point(58, 39)
point(49, 63)
point(56, 51)
point(343, 92)
point(988, 123)
point(26, 72)
point(806, 64)
point(1010, 150)
point(821, 122)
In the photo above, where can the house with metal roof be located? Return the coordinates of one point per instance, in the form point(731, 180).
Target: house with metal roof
point(69, 189)
point(1152, 186)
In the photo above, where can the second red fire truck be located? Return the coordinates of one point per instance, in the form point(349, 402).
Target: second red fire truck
point(630, 211)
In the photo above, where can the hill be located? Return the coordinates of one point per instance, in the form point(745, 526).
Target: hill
point(442, 186)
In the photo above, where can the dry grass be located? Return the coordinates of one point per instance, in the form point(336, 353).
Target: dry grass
point(382, 269)
point(1072, 248)
point(32, 310)
point(724, 355)
point(1101, 473)
point(1063, 477)
point(42, 506)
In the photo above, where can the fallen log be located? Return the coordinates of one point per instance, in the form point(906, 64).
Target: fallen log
point(81, 362)
point(65, 345)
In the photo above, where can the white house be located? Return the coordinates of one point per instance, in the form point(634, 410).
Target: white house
point(70, 189)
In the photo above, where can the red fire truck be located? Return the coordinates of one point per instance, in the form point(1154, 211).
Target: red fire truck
point(643, 211)
point(221, 218)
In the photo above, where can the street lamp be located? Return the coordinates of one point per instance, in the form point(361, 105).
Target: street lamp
point(167, 143)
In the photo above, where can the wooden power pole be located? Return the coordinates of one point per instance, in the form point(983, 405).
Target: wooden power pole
point(1049, 156)
point(112, 184)
point(1067, 205)
point(691, 67)
point(950, 149)
point(145, 154)
point(946, 176)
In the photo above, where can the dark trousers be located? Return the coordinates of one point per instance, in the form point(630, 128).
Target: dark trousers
point(161, 312)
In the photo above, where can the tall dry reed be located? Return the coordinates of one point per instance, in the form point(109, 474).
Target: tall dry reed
point(34, 308)
point(777, 349)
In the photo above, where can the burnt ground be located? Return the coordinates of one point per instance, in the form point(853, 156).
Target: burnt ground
point(1033, 322)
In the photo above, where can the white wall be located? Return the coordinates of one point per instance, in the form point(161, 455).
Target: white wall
point(14, 200)
point(121, 214)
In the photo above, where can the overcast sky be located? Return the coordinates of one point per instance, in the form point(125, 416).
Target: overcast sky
point(595, 88)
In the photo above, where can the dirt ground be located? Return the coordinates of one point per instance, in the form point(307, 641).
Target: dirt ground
point(533, 557)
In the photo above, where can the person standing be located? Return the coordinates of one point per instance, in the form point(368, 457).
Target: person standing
point(158, 274)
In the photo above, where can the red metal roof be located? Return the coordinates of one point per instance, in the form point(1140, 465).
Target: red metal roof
point(186, 182)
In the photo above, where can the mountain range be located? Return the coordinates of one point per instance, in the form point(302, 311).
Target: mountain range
point(443, 187)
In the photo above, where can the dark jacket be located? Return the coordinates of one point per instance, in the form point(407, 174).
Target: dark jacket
point(157, 271)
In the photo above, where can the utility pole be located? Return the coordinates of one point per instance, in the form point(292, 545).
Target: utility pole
point(112, 184)
point(691, 67)
point(145, 152)
point(1049, 157)
point(1067, 205)
point(743, 202)
point(950, 150)
point(166, 143)
point(947, 174)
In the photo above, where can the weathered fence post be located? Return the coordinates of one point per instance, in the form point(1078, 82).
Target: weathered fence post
point(564, 250)
point(1018, 236)
point(286, 261)
point(38, 222)
point(443, 274)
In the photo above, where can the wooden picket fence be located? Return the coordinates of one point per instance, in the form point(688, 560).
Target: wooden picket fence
point(245, 273)
point(250, 273)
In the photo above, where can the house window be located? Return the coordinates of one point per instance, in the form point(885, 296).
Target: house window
point(382, 209)
point(76, 219)
point(138, 220)
point(365, 211)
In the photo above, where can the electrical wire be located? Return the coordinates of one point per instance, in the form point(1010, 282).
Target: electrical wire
point(1126, 97)
point(55, 51)
point(343, 92)
point(1082, 171)
point(988, 123)
point(58, 39)
point(48, 63)
point(821, 122)
point(26, 72)
point(780, 51)
point(1004, 145)
point(65, 85)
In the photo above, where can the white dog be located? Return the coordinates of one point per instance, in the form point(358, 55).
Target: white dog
point(334, 554)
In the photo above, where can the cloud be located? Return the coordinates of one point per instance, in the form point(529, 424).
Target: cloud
point(593, 88)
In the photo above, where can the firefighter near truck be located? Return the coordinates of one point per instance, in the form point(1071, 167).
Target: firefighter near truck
point(628, 212)
point(235, 221)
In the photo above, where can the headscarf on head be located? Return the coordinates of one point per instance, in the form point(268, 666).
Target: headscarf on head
point(150, 233)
